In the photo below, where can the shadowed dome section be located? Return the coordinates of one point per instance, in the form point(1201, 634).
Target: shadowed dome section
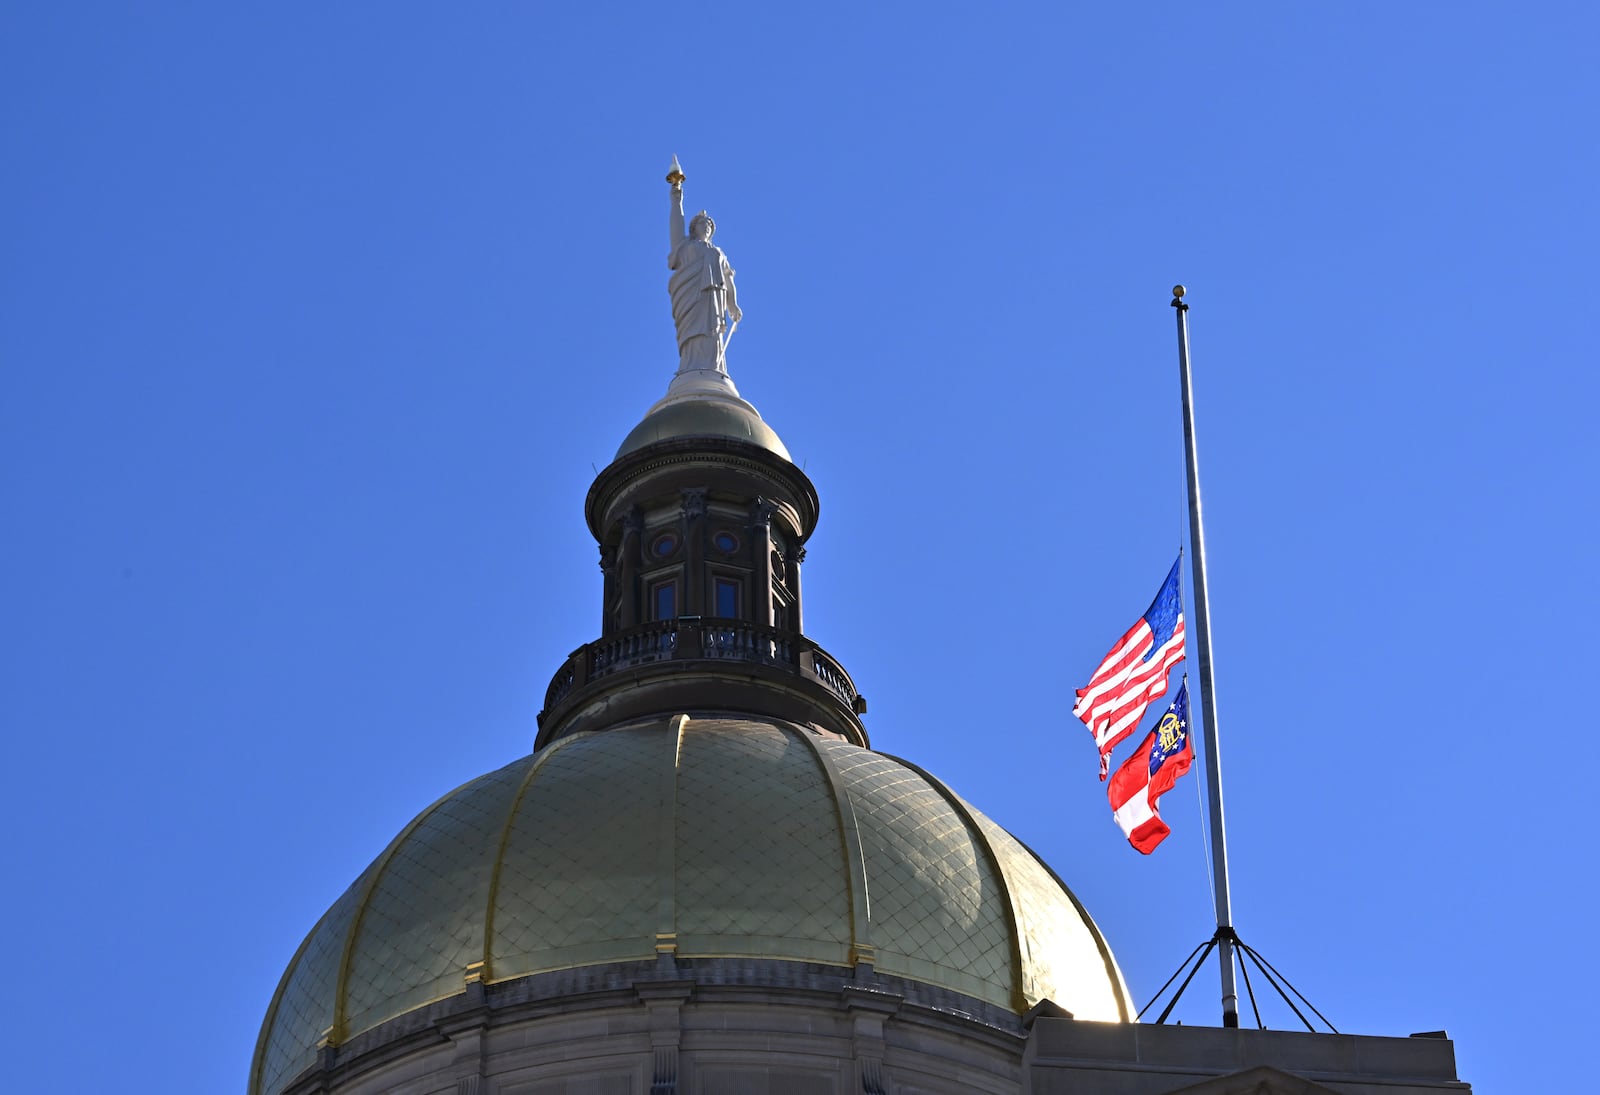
point(703, 418)
point(724, 837)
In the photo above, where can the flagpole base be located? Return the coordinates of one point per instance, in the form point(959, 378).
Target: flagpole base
point(1226, 939)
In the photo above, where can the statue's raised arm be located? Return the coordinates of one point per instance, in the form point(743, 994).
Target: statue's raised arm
point(675, 216)
point(701, 286)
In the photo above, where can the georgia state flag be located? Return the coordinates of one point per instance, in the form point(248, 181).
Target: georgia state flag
point(1136, 788)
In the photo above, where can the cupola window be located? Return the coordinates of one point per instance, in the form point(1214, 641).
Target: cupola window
point(664, 545)
point(664, 600)
point(726, 542)
point(727, 593)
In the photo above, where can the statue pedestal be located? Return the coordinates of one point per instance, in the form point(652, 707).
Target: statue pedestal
point(702, 385)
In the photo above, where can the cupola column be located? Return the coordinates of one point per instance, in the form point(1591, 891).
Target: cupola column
point(628, 563)
point(791, 578)
point(761, 535)
point(608, 590)
point(693, 515)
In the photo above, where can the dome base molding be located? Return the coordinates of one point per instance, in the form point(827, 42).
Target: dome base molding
point(702, 1025)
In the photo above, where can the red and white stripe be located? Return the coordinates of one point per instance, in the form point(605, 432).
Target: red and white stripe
point(1129, 793)
point(1135, 795)
point(1115, 699)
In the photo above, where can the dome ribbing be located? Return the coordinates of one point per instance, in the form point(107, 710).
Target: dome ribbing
point(784, 845)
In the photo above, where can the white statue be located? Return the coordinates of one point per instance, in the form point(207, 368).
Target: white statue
point(701, 286)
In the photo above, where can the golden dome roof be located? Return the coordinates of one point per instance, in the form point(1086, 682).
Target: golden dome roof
point(702, 418)
point(704, 837)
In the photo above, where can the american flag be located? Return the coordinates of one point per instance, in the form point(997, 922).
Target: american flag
point(1134, 674)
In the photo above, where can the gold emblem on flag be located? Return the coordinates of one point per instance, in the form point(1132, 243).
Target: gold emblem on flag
point(1168, 732)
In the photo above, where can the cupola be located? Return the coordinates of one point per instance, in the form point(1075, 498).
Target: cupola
point(702, 521)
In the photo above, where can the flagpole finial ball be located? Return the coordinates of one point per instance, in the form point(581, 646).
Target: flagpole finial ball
point(1178, 291)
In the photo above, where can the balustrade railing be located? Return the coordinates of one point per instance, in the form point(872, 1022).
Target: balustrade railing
point(688, 638)
point(832, 674)
point(645, 644)
point(746, 642)
point(560, 685)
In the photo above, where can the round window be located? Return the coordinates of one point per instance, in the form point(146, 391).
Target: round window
point(726, 542)
point(664, 545)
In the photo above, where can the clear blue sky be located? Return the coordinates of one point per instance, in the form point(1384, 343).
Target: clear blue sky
point(315, 320)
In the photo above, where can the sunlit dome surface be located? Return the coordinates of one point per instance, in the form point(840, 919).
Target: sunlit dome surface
point(703, 418)
point(734, 838)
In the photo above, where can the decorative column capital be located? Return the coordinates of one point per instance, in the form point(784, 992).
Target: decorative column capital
point(694, 502)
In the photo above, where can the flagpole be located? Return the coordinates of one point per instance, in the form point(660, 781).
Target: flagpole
point(1208, 700)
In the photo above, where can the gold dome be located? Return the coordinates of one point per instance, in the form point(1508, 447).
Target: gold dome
point(703, 418)
point(703, 838)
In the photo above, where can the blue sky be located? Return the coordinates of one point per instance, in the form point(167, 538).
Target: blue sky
point(316, 321)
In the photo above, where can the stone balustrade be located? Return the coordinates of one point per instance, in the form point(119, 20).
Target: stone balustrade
point(690, 638)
